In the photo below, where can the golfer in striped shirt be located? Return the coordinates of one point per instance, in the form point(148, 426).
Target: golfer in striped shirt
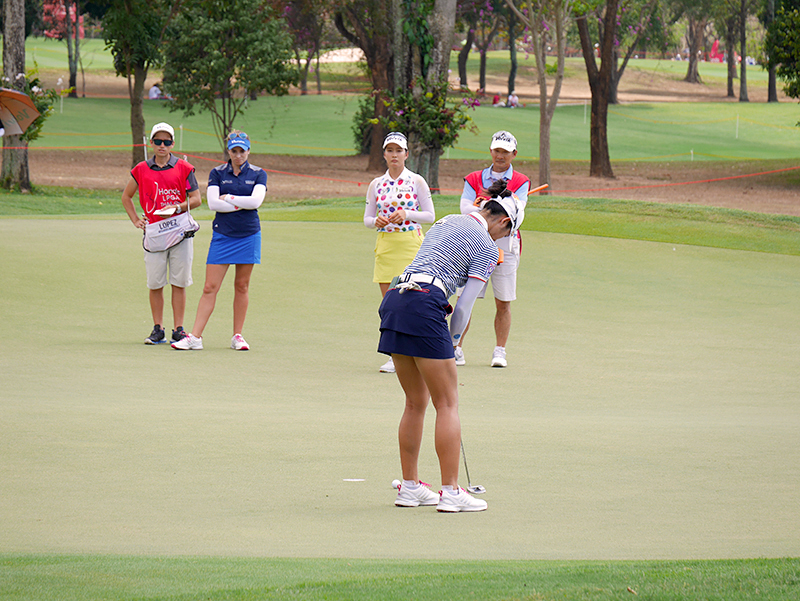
point(459, 250)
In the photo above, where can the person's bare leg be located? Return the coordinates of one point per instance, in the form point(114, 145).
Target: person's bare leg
point(178, 305)
point(215, 274)
point(412, 422)
point(502, 321)
point(157, 305)
point(241, 296)
point(442, 382)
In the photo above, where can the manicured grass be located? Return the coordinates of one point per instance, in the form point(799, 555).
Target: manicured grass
point(93, 578)
point(678, 224)
point(320, 126)
point(51, 55)
point(649, 414)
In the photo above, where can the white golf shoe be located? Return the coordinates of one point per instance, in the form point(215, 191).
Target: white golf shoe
point(499, 357)
point(190, 343)
point(460, 356)
point(239, 344)
point(460, 500)
point(414, 497)
point(388, 367)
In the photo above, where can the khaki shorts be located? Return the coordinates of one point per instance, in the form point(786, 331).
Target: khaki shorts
point(503, 279)
point(177, 259)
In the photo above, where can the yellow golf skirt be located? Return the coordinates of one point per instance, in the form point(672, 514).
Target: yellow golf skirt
point(393, 252)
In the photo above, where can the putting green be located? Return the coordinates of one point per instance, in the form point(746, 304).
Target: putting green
point(649, 409)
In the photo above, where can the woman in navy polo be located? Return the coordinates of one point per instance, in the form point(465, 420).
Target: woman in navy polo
point(235, 191)
point(459, 250)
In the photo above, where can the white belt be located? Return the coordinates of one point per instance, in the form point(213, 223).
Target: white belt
point(422, 278)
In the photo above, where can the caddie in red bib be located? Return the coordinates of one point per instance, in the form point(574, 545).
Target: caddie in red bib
point(167, 189)
point(503, 149)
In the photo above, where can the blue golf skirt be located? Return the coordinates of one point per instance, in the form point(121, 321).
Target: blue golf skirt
point(225, 250)
point(415, 324)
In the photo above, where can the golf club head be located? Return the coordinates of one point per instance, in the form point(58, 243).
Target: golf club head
point(476, 489)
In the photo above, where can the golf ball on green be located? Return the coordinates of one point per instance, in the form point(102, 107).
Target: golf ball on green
point(396, 483)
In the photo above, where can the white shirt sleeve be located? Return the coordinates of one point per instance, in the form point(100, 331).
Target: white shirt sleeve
point(463, 309)
point(248, 202)
point(468, 197)
point(426, 214)
point(371, 210)
point(215, 203)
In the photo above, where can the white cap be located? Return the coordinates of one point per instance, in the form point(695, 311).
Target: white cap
point(162, 127)
point(504, 140)
point(514, 208)
point(396, 138)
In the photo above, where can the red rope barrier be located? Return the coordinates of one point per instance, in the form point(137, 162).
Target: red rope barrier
point(359, 183)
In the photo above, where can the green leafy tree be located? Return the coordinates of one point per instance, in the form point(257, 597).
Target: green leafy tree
point(783, 41)
point(370, 25)
point(219, 53)
point(133, 31)
point(547, 21)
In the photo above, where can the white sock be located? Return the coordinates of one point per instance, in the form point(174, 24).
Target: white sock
point(449, 489)
point(410, 484)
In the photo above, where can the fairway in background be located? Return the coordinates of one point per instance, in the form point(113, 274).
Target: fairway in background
point(648, 410)
point(321, 126)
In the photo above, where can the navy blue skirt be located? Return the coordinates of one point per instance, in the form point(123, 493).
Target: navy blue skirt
point(415, 324)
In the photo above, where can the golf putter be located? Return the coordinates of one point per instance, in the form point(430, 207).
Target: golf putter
point(476, 489)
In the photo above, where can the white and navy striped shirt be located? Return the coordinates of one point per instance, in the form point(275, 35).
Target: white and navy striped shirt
point(457, 247)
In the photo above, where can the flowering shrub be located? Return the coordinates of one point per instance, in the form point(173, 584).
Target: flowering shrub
point(427, 117)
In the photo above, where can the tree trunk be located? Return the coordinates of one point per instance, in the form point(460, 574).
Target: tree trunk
point(72, 63)
point(316, 73)
point(441, 22)
point(463, 55)
point(15, 172)
point(377, 47)
point(136, 95)
point(615, 74)
point(599, 83)
point(743, 40)
point(772, 82)
point(303, 69)
point(730, 45)
point(482, 72)
point(78, 46)
point(512, 52)
point(694, 34)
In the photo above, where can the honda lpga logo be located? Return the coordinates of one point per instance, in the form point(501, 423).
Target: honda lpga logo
point(167, 196)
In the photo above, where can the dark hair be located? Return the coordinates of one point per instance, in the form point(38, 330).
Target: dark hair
point(499, 188)
point(495, 208)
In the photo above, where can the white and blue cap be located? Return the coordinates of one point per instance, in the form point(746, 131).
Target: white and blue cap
point(238, 139)
point(504, 140)
point(166, 127)
point(514, 208)
point(396, 138)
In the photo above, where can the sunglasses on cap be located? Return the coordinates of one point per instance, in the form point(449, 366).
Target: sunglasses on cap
point(158, 142)
point(237, 136)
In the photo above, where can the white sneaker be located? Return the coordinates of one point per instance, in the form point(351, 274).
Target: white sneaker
point(388, 367)
point(499, 357)
point(463, 501)
point(460, 356)
point(414, 497)
point(239, 344)
point(190, 343)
